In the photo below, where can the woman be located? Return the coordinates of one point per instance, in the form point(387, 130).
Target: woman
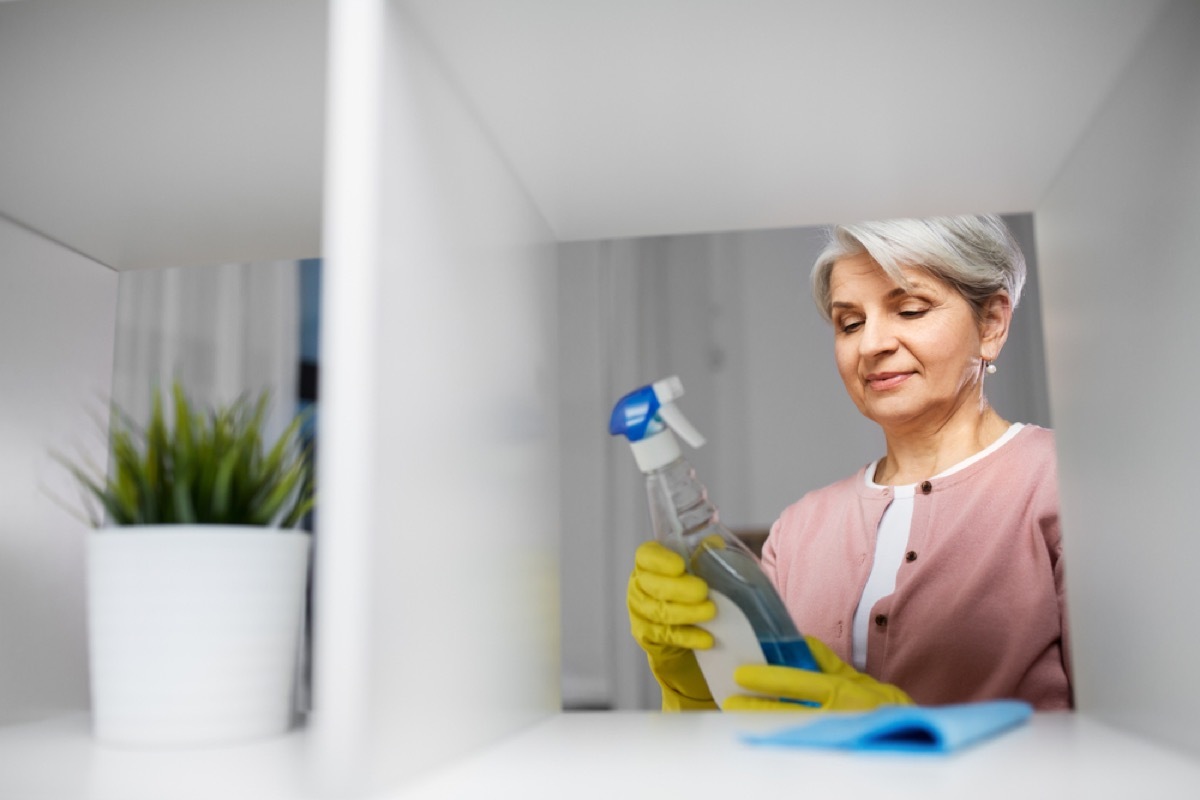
point(935, 574)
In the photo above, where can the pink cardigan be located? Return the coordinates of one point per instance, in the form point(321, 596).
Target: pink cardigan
point(978, 611)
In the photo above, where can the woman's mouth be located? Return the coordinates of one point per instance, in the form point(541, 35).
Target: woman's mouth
point(883, 381)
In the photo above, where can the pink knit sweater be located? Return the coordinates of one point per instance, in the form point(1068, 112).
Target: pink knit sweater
point(978, 610)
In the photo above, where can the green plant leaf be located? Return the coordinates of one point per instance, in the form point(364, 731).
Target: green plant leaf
point(185, 513)
point(305, 499)
point(201, 466)
point(221, 486)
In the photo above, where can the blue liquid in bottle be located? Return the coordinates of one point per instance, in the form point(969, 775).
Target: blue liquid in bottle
point(736, 575)
point(788, 653)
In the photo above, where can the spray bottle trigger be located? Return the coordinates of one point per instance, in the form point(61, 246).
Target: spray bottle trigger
point(677, 422)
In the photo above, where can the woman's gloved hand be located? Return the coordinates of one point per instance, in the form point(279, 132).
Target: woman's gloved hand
point(837, 687)
point(665, 604)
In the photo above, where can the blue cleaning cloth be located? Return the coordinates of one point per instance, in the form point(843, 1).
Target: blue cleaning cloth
point(912, 729)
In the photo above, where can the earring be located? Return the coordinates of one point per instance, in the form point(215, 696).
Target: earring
point(990, 369)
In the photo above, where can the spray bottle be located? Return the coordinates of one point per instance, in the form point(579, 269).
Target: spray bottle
point(752, 624)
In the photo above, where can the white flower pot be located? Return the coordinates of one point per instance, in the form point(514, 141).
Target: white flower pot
point(193, 632)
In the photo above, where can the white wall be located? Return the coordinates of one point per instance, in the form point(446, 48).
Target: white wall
point(437, 544)
point(1119, 236)
point(732, 315)
point(57, 318)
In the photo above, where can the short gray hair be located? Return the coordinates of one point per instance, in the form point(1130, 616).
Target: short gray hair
point(977, 255)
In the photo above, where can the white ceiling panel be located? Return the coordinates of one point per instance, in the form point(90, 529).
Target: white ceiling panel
point(150, 134)
point(629, 117)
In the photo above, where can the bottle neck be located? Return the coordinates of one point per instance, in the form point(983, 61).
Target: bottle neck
point(687, 496)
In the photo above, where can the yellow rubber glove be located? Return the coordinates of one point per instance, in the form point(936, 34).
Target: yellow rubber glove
point(837, 687)
point(665, 603)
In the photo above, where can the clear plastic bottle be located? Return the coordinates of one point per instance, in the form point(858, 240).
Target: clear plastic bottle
point(687, 522)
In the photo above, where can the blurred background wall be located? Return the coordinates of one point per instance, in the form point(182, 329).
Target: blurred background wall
point(221, 331)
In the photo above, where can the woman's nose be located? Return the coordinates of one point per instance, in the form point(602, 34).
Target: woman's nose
point(878, 337)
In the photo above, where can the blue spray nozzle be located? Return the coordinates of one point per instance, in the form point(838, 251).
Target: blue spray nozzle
point(635, 416)
point(650, 410)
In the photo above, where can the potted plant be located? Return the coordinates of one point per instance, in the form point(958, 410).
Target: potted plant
point(196, 576)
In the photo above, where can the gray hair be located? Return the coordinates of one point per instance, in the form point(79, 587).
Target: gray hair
point(977, 255)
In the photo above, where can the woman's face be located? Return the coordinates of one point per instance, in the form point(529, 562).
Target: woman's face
point(910, 359)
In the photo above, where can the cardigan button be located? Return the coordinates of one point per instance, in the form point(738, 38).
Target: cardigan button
point(881, 620)
point(926, 487)
point(910, 556)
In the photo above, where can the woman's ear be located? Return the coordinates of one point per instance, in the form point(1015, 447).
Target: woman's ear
point(993, 325)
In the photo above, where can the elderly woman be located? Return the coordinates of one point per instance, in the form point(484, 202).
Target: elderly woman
point(935, 574)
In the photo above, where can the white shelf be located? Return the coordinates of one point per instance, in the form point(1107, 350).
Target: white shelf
point(58, 758)
point(598, 755)
point(616, 755)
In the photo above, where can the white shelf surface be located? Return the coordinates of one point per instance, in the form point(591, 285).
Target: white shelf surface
point(618, 755)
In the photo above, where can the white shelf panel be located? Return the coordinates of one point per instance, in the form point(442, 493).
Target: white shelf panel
point(614, 755)
point(58, 758)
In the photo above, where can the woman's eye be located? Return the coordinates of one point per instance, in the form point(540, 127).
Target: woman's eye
point(913, 313)
point(851, 327)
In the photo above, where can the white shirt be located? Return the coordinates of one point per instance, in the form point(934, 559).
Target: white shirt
point(891, 542)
